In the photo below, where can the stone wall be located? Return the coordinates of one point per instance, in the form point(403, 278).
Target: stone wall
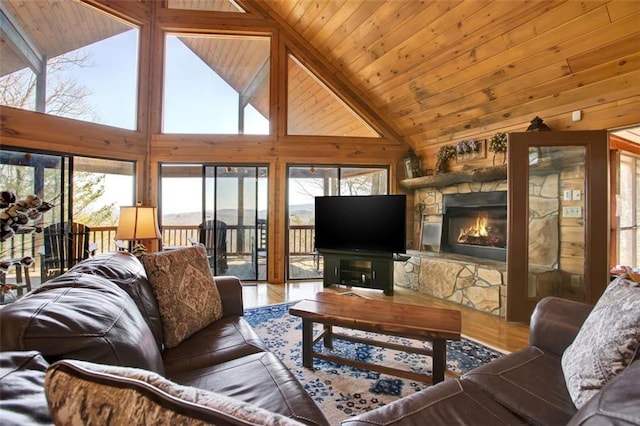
point(478, 284)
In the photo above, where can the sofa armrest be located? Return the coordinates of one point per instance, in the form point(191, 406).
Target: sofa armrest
point(555, 322)
point(230, 289)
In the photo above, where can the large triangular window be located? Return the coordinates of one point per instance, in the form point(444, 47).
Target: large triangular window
point(313, 109)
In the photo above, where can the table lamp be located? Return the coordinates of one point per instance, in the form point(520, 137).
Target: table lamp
point(138, 223)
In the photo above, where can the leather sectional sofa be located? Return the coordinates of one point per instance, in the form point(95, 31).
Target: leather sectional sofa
point(103, 311)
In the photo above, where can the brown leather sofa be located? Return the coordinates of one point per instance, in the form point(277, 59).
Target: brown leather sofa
point(524, 387)
point(103, 311)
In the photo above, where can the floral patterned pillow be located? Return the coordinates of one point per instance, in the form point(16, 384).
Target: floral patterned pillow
point(80, 392)
point(607, 342)
point(188, 298)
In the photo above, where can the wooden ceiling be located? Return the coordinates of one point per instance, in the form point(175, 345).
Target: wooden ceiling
point(443, 70)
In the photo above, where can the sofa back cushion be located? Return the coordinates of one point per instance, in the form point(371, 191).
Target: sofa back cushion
point(126, 271)
point(80, 316)
point(90, 393)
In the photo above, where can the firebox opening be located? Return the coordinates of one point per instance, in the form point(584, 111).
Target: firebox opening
point(476, 225)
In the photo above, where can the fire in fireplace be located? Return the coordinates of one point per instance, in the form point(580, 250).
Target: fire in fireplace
point(482, 232)
point(475, 224)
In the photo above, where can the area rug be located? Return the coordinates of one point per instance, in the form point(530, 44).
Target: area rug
point(342, 391)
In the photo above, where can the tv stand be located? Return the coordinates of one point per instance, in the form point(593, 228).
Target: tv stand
point(359, 270)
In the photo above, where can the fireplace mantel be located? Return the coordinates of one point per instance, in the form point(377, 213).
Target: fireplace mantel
point(484, 174)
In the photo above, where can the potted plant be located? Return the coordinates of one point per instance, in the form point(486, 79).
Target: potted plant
point(445, 153)
point(498, 145)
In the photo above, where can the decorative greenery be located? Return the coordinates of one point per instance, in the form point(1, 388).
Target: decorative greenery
point(498, 143)
point(446, 152)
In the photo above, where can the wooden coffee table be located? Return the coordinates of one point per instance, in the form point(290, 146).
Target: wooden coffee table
point(414, 322)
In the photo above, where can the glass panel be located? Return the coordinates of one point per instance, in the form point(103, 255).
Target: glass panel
point(629, 212)
point(363, 181)
point(180, 203)
point(100, 187)
point(225, 75)
point(82, 64)
point(307, 182)
point(212, 5)
point(556, 253)
point(313, 109)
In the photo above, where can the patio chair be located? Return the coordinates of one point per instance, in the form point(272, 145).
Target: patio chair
point(64, 246)
point(259, 244)
point(213, 234)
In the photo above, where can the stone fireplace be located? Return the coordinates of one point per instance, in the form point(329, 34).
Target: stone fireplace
point(471, 272)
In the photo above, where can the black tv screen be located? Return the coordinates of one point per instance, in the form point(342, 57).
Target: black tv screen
point(375, 223)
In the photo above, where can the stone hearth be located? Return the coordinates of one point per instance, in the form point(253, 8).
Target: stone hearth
point(476, 283)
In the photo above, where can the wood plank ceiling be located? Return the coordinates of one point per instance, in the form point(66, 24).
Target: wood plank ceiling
point(441, 70)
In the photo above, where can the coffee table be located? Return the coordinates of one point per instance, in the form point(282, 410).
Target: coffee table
point(414, 322)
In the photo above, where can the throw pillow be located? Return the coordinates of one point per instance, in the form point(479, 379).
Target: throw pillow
point(607, 341)
point(80, 392)
point(188, 299)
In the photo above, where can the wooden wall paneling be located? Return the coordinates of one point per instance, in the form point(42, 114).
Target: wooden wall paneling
point(277, 223)
point(52, 133)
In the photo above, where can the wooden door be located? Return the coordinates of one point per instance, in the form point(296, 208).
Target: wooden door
point(558, 242)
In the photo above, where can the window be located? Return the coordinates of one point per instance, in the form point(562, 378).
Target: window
point(83, 64)
point(304, 184)
point(222, 206)
point(83, 190)
point(628, 211)
point(216, 84)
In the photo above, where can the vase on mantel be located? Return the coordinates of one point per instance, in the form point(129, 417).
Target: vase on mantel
point(441, 166)
point(499, 158)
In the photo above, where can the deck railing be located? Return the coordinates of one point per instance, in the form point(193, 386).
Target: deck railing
point(239, 240)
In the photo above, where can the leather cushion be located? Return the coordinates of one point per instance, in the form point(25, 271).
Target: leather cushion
point(22, 400)
point(452, 402)
point(218, 342)
point(259, 379)
point(80, 316)
point(185, 290)
point(86, 393)
point(126, 271)
point(529, 383)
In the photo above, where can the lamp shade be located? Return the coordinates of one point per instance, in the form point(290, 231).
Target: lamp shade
point(138, 223)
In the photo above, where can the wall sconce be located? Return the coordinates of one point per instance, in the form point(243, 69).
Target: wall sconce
point(412, 165)
point(537, 125)
point(138, 223)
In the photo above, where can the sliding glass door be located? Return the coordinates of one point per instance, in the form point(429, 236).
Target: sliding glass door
point(85, 192)
point(304, 184)
point(223, 207)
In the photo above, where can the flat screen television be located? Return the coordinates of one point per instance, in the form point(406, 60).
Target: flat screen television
point(374, 223)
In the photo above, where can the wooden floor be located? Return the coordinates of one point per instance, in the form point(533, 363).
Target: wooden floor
point(479, 326)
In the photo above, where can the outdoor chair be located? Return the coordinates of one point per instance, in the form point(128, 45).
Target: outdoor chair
point(213, 235)
point(64, 246)
point(259, 243)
